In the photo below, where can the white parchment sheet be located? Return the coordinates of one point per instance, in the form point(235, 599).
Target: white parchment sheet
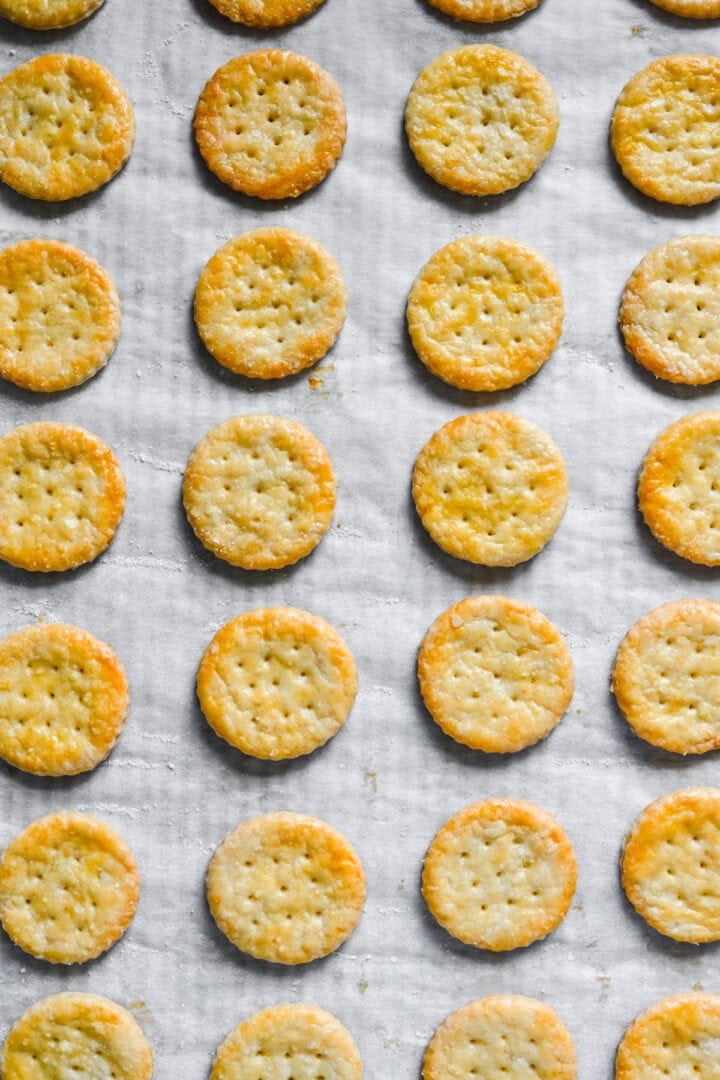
point(390, 778)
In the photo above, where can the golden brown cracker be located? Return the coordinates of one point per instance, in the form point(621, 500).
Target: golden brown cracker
point(676, 1037)
point(47, 14)
point(266, 13)
point(484, 11)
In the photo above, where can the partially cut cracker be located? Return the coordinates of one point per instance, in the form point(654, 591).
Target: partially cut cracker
point(286, 888)
point(62, 495)
point(481, 120)
point(301, 1041)
point(500, 874)
point(82, 1035)
point(691, 9)
point(504, 1034)
point(671, 863)
point(48, 14)
point(485, 312)
point(679, 488)
point(271, 123)
point(277, 682)
point(66, 127)
point(665, 130)
point(495, 674)
point(63, 700)
point(259, 491)
point(59, 315)
point(484, 11)
point(677, 1036)
point(666, 677)
point(266, 13)
point(69, 888)
point(490, 488)
point(270, 303)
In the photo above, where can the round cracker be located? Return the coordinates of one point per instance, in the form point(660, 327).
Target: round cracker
point(286, 888)
point(82, 1034)
point(48, 14)
point(679, 488)
point(66, 127)
point(490, 488)
point(506, 1034)
point(485, 312)
point(484, 11)
point(676, 1036)
point(63, 700)
point(670, 864)
point(301, 1041)
point(691, 9)
point(266, 13)
point(481, 120)
point(59, 315)
point(62, 495)
point(277, 682)
point(270, 303)
point(495, 674)
point(69, 888)
point(271, 123)
point(665, 130)
point(259, 491)
point(666, 677)
point(500, 874)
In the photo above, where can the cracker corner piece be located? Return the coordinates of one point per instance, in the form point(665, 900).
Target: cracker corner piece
point(48, 16)
point(690, 9)
point(675, 1036)
point(286, 888)
point(87, 1027)
point(271, 124)
point(266, 14)
point(526, 900)
point(484, 11)
point(281, 1039)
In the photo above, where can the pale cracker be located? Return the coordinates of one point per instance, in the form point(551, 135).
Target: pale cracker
point(666, 677)
point(63, 700)
point(62, 495)
point(48, 14)
point(481, 120)
point(691, 9)
point(665, 130)
point(484, 11)
point(495, 674)
point(485, 312)
point(277, 682)
point(490, 488)
point(259, 491)
point(677, 1036)
point(80, 1035)
point(679, 488)
point(59, 315)
point(670, 311)
point(671, 863)
point(66, 127)
point(517, 1037)
point(301, 1041)
point(271, 124)
point(286, 888)
point(270, 303)
point(69, 888)
point(266, 13)
point(500, 874)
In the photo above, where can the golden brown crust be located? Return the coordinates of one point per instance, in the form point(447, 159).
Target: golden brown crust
point(266, 13)
point(676, 1036)
point(271, 124)
point(691, 9)
point(484, 11)
point(47, 14)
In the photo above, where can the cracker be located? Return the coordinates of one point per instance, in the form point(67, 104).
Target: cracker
point(66, 127)
point(500, 874)
point(270, 303)
point(62, 495)
point(277, 682)
point(676, 1036)
point(666, 677)
point(63, 700)
point(671, 862)
point(691, 9)
point(48, 14)
point(679, 488)
point(83, 1035)
point(301, 1041)
point(484, 11)
point(286, 888)
point(518, 1037)
point(485, 312)
point(490, 488)
point(266, 13)
point(69, 888)
point(665, 130)
point(481, 120)
point(59, 315)
point(271, 124)
point(495, 674)
point(259, 491)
